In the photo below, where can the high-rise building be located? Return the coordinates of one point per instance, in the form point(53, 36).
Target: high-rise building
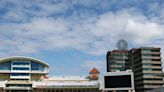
point(146, 65)
point(117, 60)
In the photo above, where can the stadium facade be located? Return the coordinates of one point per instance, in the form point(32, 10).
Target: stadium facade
point(26, 74)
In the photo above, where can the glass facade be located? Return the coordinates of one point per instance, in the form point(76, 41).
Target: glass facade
point(146, 50)
point(26, 65)
point(20, 74)
point(21, 68)
point(5, 66)
point(21, 63)
point(116, 60)
point(36, 67)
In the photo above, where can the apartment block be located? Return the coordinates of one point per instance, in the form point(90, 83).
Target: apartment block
point(146, 65)
point(117, 60)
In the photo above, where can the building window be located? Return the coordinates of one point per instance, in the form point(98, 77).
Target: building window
point(36, 66)
point(20, 68)
point(20, 74)
point(146, 50)
point(21, 63)
point(5, 66)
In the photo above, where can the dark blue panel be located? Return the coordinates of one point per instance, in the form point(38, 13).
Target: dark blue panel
point(37, 66)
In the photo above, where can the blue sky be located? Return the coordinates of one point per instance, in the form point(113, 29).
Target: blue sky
point(73, 36)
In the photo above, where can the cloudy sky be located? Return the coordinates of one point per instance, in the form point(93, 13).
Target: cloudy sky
point(74, 35)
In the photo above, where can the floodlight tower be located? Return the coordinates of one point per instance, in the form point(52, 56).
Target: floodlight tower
point(118, 60)
point(122, 44)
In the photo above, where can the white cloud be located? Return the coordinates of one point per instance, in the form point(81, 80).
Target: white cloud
point(85, 31)
point(30, 27)
point(90, 37)
point(144, 33)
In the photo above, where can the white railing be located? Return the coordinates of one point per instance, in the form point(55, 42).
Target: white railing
point(20, 77)
point(18, 87)
point(20, 71)
point(20, 65)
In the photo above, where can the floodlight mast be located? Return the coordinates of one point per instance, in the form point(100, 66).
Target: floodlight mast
point(122, 44)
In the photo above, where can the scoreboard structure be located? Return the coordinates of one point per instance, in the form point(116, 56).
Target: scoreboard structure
point(122, 80)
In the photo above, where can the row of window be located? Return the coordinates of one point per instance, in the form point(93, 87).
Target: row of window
point(119, 55)
point(34, 66)
point(150, 55)
point(20, 74)
point(148, 50)
point(21, 63)
point(21, 68)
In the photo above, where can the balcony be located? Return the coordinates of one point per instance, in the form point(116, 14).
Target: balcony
point(151, 57)
point(153, 81)
point(157, 67)
point(144, 52)
point(153, 72)
point(156, 62)
point(152, 86)
point(153, 76)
